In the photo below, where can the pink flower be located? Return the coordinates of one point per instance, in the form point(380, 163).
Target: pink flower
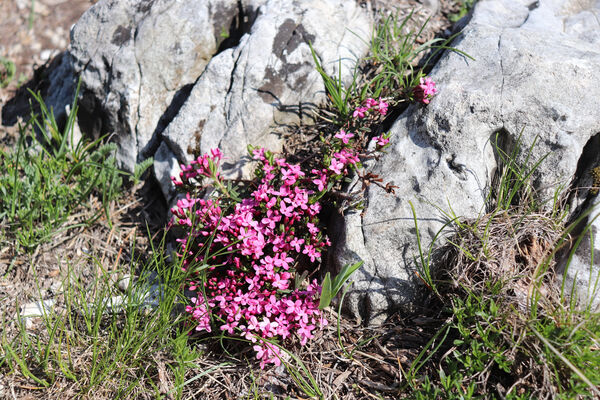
point(380, 140)
point(251, 247)
point(305, 333)
point(425, 91)
point(345, 137)
point(371, 103)
point(346, 157)
point(360, 112)
point(310, 251)
point(320, 180)
point(258, 154)
point(336, 166)
point(216, 154)
point(282, 281)
point(383, 107)
point(296, 243)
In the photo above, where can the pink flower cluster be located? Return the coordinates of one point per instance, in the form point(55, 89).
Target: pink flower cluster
point(371, 105)
point(425, 91)
point(243, 253)
point(253, 248)
point(205, 165)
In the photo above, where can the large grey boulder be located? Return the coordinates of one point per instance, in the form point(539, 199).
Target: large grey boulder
point(535, 70)
point(268, 80)
point(176, 78)
point(134, 56)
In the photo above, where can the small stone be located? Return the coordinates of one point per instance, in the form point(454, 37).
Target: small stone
point(22, 4)
point(432, 5)
point(124, 282)
point(37, 309)
point(115, 304)
point(56, 286)
point(47, 54)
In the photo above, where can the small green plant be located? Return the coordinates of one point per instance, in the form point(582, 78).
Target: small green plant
point(391, 72)
point(330, 289)
point(339, 96)
point(31, 15)
point(463, 7)
point(100, 340)
point(7, 71)
point(395, 53)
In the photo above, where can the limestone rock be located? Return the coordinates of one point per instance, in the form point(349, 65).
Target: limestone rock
point(199, 74)
point(528, 74)
point(135, 56)
point(267, 80)
point(36, 309)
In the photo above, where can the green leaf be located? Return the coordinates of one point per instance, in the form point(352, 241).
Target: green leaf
point(326, 292)
point(330, 289)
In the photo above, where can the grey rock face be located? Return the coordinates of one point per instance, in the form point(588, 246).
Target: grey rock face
point(530, 74)
point(186, 76)
point(268, 80)
point(582, 273)
point(134, 56)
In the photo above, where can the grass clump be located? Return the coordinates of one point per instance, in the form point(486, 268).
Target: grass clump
point(511, 331)
point(394, 68)
point(50, 174)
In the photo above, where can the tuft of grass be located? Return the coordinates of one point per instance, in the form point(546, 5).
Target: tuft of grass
point(390, 70)
point(339, 95)
point(50, 173)
point(395, 52)
point(105, 344)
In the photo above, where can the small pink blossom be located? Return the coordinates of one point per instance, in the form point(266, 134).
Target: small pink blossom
point(345, 137)
point(336, 166)
point(425, 91)
point(371, 103)
point(360, 112)
point(381, 141)
point(383, 107)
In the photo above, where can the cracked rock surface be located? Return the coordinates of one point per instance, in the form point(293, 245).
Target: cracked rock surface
point(267, 80)
point(172, 79)
point(134, 56)
point(534, 70)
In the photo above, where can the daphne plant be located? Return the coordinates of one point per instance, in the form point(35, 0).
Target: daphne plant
point(248, 248)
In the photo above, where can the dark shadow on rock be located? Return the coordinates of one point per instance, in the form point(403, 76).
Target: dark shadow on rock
point(503, 145)
point(179, 99)
point(20, 105)
point(581, 192)
point(239, 25)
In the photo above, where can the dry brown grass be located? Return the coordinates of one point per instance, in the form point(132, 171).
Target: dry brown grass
point(510, 248)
